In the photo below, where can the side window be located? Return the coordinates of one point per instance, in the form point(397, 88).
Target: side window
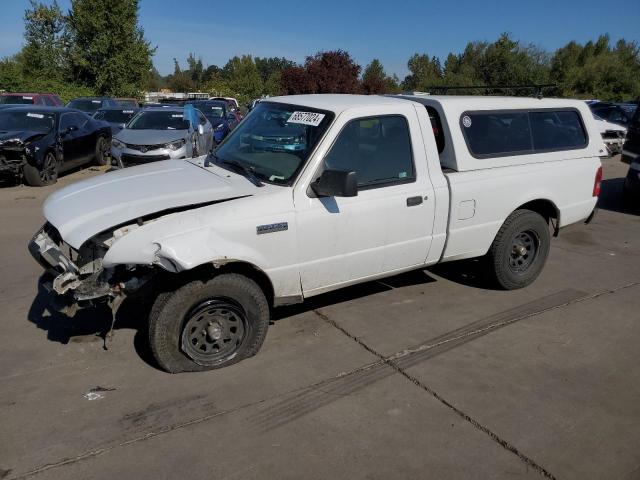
point(75, 119)
point(49, 101)
point(496, 133)
point(559, 130)
point(378, 149)
point(436, 126)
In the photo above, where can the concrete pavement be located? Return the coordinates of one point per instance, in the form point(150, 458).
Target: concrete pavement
point(424, 375)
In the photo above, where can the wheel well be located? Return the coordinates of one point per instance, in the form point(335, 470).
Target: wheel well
point(547, 209)
point(209, 270)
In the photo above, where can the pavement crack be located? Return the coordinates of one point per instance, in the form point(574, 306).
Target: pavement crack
point(392, 361)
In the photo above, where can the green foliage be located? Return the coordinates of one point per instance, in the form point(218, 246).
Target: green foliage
point(376, 81)
point(243, 78)
point(44, 52)
point(596, 70)
point(99, 48)
point(108, 50)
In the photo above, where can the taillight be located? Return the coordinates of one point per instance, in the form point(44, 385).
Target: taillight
point(597, 184)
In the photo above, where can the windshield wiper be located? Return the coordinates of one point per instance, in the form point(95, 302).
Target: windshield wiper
point(245, 171)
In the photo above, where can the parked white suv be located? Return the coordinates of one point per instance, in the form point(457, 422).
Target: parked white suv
point(313, 193)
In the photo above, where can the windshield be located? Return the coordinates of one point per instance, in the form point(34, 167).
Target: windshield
point(26, 121)
point(85, 105)
point(114, 116)
point(275, 140)
point(16, 100)
point(159, 120)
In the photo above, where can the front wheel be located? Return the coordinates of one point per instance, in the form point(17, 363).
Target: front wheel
point(103, 151)
point(520, 249)
point(47, 174)
point(210, 324)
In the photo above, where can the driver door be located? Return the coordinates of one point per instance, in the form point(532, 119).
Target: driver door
point(73, 139)
point(387, 227)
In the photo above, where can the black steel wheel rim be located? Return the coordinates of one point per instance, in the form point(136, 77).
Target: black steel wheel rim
point(524, 250)
point(213, 331)
point(48, 171)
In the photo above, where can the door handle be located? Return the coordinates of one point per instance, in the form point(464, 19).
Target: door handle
point(413, 201)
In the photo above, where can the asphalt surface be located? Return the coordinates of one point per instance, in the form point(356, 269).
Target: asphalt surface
point(429, 374)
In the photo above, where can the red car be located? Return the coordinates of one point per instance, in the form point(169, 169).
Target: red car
point(40, 99)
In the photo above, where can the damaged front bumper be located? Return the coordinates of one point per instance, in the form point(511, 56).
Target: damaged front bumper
point(71, 286)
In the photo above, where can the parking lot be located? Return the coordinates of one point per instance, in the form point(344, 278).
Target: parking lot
point(429, 374)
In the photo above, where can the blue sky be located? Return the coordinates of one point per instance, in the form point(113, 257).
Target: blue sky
point(389, 30)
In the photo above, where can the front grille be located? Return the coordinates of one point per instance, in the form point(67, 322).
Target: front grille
point(144, 148)
point(129, 159)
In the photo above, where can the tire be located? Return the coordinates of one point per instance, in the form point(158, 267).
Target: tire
point(180, 323)
point(103, 150)
point(47, 174)
point(520, 250)
point(195, 149)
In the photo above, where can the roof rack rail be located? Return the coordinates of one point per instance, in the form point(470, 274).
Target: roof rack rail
point(444, 89)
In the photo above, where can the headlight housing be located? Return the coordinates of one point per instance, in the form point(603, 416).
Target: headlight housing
point(117, 143)
point(178, 144)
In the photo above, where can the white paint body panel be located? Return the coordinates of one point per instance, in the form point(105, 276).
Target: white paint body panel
point(329, 242)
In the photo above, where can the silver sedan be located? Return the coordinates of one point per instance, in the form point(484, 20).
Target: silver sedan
point(162, 134)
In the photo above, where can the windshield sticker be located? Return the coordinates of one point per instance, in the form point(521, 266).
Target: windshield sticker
point(35, 115)
point(127, 111)
point(275, 177)
point(27, 98)
point(466, 121)
point(96, 101)
point(306, 118)
point(177, 115)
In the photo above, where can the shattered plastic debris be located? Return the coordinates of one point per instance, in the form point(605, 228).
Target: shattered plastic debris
point(96, 393)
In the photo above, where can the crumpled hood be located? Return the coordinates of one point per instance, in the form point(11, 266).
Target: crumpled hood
point(604, 126)
point(150, 137)
point(91, 206)
point(18, 138)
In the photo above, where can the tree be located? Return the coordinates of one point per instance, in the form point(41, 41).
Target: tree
point(424, 71)
point(44, 51)
point(196, 69)
point(243, 77)
point(180, 81)
point(296, 81)
point(376, 81)
point(333, 72)
point(596, 70)
point(269, 66)
point(108, 48)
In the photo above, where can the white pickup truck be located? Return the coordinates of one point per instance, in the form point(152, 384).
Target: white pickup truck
point(313, 193)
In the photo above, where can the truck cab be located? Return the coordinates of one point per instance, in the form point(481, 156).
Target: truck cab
point(365, 187)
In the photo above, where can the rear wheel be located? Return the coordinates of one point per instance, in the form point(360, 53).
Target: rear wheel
point(47, 174)
point(209, 324)
point(520, 249)
point(103, 151)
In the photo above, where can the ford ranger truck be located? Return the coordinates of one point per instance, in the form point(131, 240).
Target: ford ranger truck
point(345, 189)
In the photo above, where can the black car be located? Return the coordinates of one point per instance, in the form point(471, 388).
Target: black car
point(631, 155)
point(40, 142)
point(91, 104)
point(117, 118)
point(620, 114)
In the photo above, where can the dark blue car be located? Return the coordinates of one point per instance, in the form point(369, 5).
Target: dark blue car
point(116, 117)
point(223, 121)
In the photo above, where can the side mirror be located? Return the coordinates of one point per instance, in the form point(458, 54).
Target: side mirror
point(69, 129)
point(201, 129)
point(336, 183)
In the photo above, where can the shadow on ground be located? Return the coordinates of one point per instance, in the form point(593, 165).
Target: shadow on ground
point(92, 324)
point(611, 198)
